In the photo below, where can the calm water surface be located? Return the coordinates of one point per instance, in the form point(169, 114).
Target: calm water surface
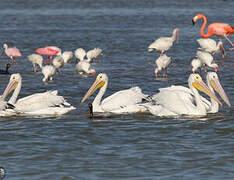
point(129, 147)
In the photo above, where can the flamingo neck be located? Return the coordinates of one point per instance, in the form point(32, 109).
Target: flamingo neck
point(97, 101)
point(15, 93)
point(208, 34)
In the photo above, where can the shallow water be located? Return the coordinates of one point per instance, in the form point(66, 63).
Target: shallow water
point(138, 146)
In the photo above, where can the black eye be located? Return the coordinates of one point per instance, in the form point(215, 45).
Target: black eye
point(213, 76)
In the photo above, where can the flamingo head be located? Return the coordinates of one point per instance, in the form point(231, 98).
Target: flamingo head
point(197, 17)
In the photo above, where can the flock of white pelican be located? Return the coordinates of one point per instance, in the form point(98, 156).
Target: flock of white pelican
point(169, 101)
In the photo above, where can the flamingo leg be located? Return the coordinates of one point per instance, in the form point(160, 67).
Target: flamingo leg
point(230, 42)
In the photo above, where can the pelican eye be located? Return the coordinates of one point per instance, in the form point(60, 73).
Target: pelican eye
point(197, 77)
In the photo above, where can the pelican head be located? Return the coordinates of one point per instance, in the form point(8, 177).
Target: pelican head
point(196, 82)
point(15, 79)
point(213, 80)
point(100, 81)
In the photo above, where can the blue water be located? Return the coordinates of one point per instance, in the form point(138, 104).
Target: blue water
point(130, 147)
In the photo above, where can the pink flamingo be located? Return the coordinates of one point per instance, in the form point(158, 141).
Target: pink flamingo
point(11, 52)
point(48, 51)
point(218, 29)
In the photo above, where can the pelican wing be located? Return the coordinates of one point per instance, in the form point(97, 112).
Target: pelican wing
point(123, 99)
point(40, 101)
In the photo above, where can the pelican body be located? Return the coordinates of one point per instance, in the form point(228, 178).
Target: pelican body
point(121, 102)
point(47, 103)
point(176, 101)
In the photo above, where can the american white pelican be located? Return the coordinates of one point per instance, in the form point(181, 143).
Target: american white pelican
point(164, 43)
point(125, 101)
point(48, 71)
point(6, 109)
point(196, 63)
point(209, 45)
point(162, 63)
point(36, 60)
point(12, 52)
point(93, 54)
point(207, 59)
point(67, 56)
point(174, 101)
point(83, 67)
point(58, 62)
point(213, 83)
point(47, 103)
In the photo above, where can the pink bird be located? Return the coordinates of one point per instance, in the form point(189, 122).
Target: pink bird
point(11, 52)
point(218, 29)
point(48, 51)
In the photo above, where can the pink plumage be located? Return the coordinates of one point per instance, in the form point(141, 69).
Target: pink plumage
point(11, 52)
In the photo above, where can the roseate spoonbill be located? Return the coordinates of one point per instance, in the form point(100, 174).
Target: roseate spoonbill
point(84, 67)
point(209, 45)
point(67, 56)
point(48, 71)
point(48, 51)
point(218, 29)
point(164, 43)
point(162, 63)
point(5, 71)
point(196, 63)
point(11, 52)
point(36, 60)
point(46, 103)
point(207, 59)
point(125, 101)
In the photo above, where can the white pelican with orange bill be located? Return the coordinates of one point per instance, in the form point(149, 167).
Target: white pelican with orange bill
point(121, 102)
point(47, 103)
point(179, 100)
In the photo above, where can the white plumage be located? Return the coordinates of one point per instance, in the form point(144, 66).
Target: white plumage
point(36, 60)
point(164, 43)
point(209, 45)
point(47, 103)
point(80, 54)
point(196, 63)
point(48, 71)
point(125, 101)
point(177, 100)
point(162, 63)
point(207, 59)
point(58, 62)
point(84, 67)
point(93, 54)
point(67, 56)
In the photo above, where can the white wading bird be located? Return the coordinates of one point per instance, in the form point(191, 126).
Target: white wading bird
point(210, 46)
point(58, 62)
point(125, 101)
point(94, 54)
point(48, 71)
point(207, 59)
point(175, 101)
point(36, 60)
point(83, 66)
point(47, 103)
point(196, 63)
point(164, 43)
point(67, 56)
point(162, 63)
